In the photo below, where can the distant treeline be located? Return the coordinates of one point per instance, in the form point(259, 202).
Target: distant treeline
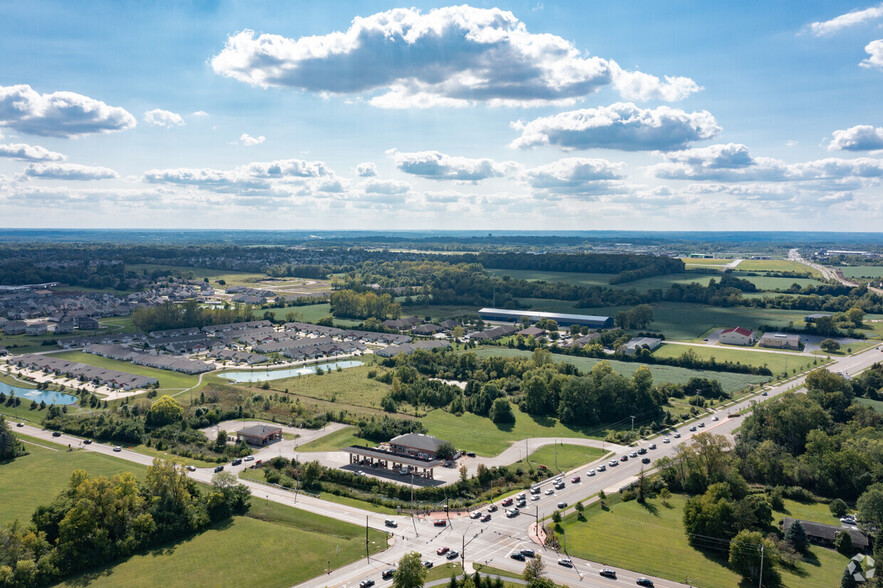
point(629, 267)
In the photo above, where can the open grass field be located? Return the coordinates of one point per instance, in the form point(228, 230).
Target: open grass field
point(568, 457)
point(875, 404)
point(704, 262)
point(776, 265)
point(768, 283)
point(661, 373)
point(36, 478)
point(168, 380)
point(198, 273)
point(578, 278)
point(614, 537)
point(441, 312)
point(862, 271)
point(334, 441)
point(818, 512)
point(273, 546)
point(777, 362)
point(348, 386)
point(311, 313)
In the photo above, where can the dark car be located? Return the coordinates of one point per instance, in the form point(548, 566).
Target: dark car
point(485, 518)
point(527, 552)
point(624, 458)
point(645, 582)
point(642, 451)
point(492, 508)
point(645, 460)
point(56, 434)
point(516, 555)
point(562, 505)
point(388, 573)
point(470, 454)
point(87, 441)
point(366, 583)
point(19, 424)
point(219, 468)
point(236, 462)
point(608, 573)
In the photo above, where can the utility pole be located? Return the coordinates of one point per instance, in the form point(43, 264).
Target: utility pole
point(760, 580)
point(463, 555)
point(367, 552)
point(633, 423)
point(556, 457)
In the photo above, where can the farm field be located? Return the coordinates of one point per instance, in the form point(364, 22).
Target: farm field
point(704, 262)
point(609, 537)
point(776, 265)
point(768, 283)
point(777, 362)
point(578, 278)
point(862, 271)
point(661, 373)
point(36, 478)
point(286, 546)
point(168, 380)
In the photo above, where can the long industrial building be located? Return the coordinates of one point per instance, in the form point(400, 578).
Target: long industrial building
point(564, 320)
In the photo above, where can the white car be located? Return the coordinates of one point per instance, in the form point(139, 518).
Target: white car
point(714, 418)
point(666, 440)
point(590, 473)
point(191, 468)
point(550, 491)
point(535, 497)
point(248, 458)
point(475, 515)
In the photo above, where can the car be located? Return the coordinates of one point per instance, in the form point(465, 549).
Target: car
point(692, 428)
point(590, 473)
point(535, 490)
point(440, 523)
point(470, 454)
point(485, 518)
point(645, 460)
point(56, 434)
point(550, 491)
point(633, 454)
point(602, 468)
point(358, 473)
point(848, 520)
point(644, 582)
point(624, 458)
point(236, 462)
point(118, 449)
point(608, 573)
point(475, 514)
point(87, 441)
point(427, 564)
point(528, 552)
point(613, 463)
point(512, 512)
point(248, 458)
point(391, 523)
point(677, 435)
point(492, 508)
point(191, 468)
point(520, 496)
point(715, 419)
point(516, 555)
point(219, 468)
point(452, 554)
point(388, 573)
point(652, 446)
point(764, 393)
point(535, 497)
point(507, 502)
point(521, 503)
point(575, 480)
point(701, 425)
point(565, 562)
point(442, 550)
point(366, 583)
point(562, 505)
point(19, 424)
point(666, 440)
point(642, 451)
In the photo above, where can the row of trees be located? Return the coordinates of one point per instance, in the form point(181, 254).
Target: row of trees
point(362, 305)
point(186, 315)
point(97, 520)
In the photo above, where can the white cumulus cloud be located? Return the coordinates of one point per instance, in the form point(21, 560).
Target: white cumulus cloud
point(366, 169)
point(163, 118)
point(874, 49)
point(850, 19)
point(622, 126)
point(857, 138)
point(200, 114)
point(59, 114)
point(249, 141)
point(636, 85)
point(439, 166)
point(451, 56)
point(260, 178)
point(389, 187)
point(29, 152)
point(577, 176)
point(68, 171)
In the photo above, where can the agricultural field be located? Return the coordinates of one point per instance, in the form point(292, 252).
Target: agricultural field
point(862, 271)
point(661, 373)
point(777, 362)
point(608, 536)
point(286, 546)
point(697, 261)
point(776, 265)
point(34, 479)
point(767, 283)
point(168, 380)
point(578, 278)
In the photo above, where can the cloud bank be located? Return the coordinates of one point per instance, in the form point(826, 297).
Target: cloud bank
point(438, 166)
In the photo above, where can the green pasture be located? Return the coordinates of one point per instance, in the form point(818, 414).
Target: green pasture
point(776, 265)
point(568, 457)
point(777, 362)
point(862, 271)
point(334, 441)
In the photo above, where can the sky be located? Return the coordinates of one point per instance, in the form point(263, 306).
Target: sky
point(519, 115)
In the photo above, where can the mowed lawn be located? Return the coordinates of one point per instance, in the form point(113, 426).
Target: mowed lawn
point(348, 386)
point(568, 456)
point(661, 373)
point(875, 404)
point(334, 441)
point(274, 546)
point(168, 380)
point(35, 479)
point(310, 313)
point(777, 362)
point(632, 536)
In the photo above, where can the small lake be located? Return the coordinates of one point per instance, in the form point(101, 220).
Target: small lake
point(46, 396)
point(289, 373)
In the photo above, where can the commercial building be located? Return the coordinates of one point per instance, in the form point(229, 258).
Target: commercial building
point(637, 343)
point(822, 534)
point(564, 320)
point(737, 336)
point(780, 341)
point(259, 434)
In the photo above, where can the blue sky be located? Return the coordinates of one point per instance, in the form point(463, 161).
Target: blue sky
point(492, 115)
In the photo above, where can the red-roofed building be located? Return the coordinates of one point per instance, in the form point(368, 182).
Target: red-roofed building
point(737, 336)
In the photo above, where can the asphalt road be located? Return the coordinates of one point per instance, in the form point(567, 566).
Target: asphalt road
point(490, 542)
